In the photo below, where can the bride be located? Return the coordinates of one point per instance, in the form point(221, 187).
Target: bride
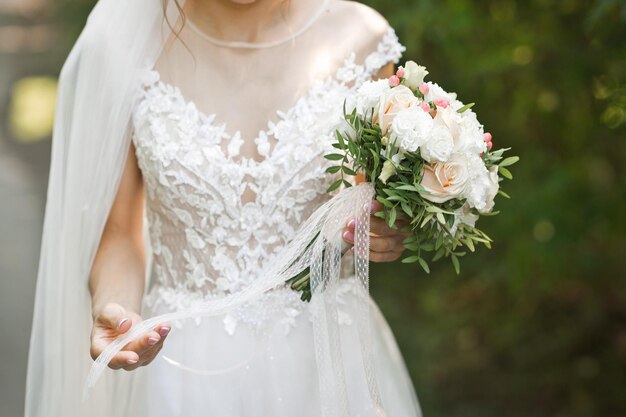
point(167, 118)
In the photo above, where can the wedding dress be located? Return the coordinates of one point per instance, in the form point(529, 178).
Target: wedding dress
point(222, 198)
point(257, 360)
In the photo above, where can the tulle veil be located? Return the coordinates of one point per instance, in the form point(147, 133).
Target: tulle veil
point(89, 146)
point(97, 91)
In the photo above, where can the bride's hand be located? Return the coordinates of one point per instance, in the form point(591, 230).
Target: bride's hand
point(385, 242)
point(114, 320)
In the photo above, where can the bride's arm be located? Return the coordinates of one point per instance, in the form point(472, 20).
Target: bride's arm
point(116, 281)
point(117, 274)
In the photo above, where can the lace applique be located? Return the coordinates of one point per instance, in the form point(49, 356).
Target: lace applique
point(206, 241)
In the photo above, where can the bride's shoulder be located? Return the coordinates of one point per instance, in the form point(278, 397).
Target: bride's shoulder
point(358, 22)
point(359, 15)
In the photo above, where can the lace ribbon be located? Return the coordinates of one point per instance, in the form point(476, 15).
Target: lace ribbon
point(324, 260)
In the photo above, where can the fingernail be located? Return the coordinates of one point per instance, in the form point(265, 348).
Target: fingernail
point(349, 236)
point(152, 340)
point(124, 320)
point(131, 361)
point(351, 223)
point(164, 331)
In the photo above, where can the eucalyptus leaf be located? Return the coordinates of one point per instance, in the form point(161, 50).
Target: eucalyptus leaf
point(509, 161)
point(505, 172)
point(334, 156)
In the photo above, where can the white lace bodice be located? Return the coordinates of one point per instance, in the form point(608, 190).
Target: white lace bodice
point(206, 241)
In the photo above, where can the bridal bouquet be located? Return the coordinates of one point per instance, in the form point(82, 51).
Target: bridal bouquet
point(430, 161)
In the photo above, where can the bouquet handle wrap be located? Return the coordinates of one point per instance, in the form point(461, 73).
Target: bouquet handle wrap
point(324, 260)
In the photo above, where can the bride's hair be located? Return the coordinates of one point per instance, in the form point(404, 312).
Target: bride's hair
point(182, 16)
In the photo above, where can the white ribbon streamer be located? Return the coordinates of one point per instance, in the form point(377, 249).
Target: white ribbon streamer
point(324, 260)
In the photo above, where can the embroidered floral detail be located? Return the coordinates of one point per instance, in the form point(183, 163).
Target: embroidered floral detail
point(206, 241)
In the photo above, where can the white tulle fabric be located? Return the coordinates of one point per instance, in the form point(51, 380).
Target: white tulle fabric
point(228, 223)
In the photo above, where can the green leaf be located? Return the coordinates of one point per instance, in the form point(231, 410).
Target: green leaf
point(441, 218)
point(439, 254)
point(407, 209)
point(503, 194)
point(456, 264)
point(333, 169)
point(426, 220)
point(347, 170)
point(340, 138)
point(505, 172)
point(384, 201)
point(428, 247)
point(470, 244)
point(397, 198)
point(407, 187)
point(334, 185)
point(466, 107)
point(410, 259)
point(334, 156)
point(424, 265)
point(393, 214)
point(509, 161)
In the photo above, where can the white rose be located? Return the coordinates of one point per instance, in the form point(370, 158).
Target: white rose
point(492, 191)
point(471, 134)
point(392, 102)
point(435, 92)
point(438, 146)
point(463, 215)
point(414, 74)
point(479, 184)
point(466, 132)
point(387, 171)
point(411, 128)
point(369, 94)
point(444, 181)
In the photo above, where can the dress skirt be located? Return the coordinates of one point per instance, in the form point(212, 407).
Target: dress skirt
point(205, 371)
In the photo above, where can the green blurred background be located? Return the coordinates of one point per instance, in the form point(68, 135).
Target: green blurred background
point(534, 327)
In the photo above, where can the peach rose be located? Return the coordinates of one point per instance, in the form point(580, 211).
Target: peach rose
point(393, 101)
point(444, 181)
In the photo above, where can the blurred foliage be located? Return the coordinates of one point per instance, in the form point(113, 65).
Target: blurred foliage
point(31, 112)
point(536, 326)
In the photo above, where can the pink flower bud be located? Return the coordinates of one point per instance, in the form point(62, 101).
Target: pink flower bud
point(424, 88)
point(425, 106)
point(487, 137)
point(394, 81)
point(442, 102)
point(400, 72)
point(489, 145)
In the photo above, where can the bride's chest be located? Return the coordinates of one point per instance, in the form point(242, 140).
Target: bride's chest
point(191, 164)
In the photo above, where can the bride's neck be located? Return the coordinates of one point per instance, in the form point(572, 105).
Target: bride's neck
point(250, 20)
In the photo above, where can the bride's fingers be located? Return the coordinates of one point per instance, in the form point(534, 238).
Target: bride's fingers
point(163, 329)
point(379, 227)
point(384, 256)
point(144, 343)
point(146, 356)
point(124, 359)
point(386, 244)
point(114, 317)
